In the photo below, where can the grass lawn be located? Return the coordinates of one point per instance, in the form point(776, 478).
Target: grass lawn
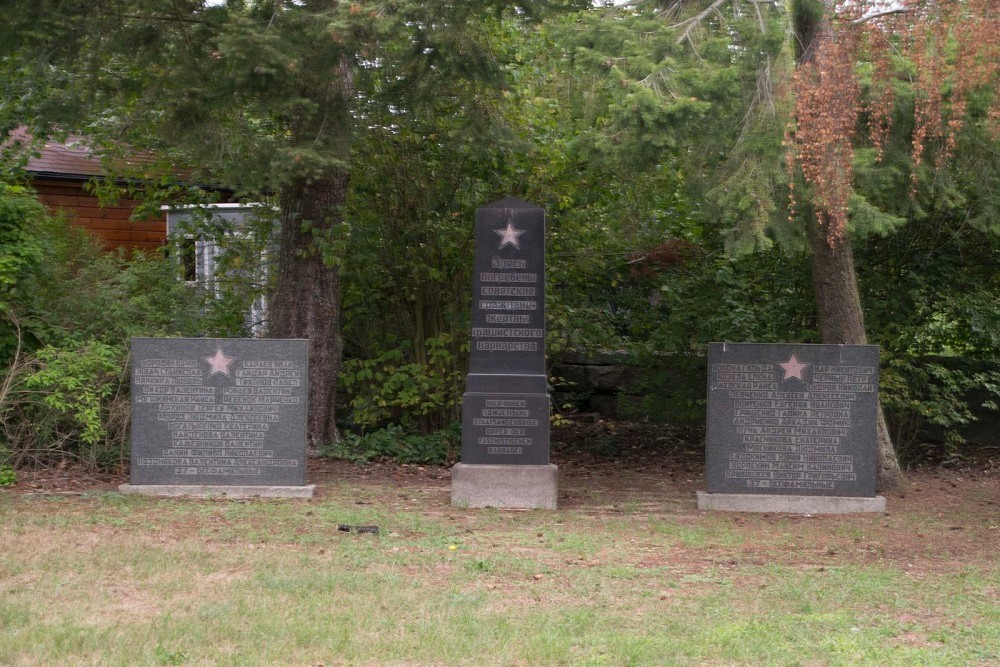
point(636, 577)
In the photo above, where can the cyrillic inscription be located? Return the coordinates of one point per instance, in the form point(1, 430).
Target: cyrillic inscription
point(487, 277)
point(501, 263)
point(794, 421)
point(216, 414)
point(506, 332)
point(505, 346)
point(505, 409)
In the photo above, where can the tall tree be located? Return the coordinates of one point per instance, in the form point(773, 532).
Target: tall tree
point(774, 93)
point(825, 86)
point(259, 95)
point(828, 108)
point(255, 95)
point(811, 86)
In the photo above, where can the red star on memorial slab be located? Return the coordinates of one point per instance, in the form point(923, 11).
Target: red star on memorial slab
point(509, 235)
point(219, 362)
point(793, 368)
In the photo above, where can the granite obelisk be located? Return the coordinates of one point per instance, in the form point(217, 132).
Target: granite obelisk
point(505, 407)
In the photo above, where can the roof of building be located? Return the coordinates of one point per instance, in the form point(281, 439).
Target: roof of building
point(75, 159)
point(71, 158)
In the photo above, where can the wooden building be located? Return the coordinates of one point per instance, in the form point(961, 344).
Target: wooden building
point(59, 174)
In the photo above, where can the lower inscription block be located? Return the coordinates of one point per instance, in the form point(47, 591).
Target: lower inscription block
point(505, 486)
point(505, 429)
point(743, 502)
point(217, 491)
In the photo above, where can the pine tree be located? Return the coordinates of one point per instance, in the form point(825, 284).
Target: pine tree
point(257, 95)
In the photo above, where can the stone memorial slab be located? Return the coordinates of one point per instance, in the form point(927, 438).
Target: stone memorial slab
point(792, 420)
point(506, 405)
point(508, 291)
point(219, 414)
point(505, 410)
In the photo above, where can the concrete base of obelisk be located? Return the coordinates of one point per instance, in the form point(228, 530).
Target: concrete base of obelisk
point(505, 486)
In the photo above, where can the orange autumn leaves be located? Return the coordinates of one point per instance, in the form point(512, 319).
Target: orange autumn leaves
point(952, 47)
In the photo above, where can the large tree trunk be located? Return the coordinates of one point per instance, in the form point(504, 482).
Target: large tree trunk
point(842, 322)
point(835, 284)
point(306, 299)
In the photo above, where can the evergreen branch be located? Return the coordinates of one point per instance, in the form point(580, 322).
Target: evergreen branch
point(695, 21)
point(881, 13)
point(173, 18)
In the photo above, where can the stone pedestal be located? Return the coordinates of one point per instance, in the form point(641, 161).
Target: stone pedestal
point(218, 491)
point(505, 486)
point(757, 502)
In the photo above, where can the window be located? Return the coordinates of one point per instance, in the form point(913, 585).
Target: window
point(228, 264)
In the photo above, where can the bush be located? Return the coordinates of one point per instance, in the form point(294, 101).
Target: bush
point(82, 293)
point(71, 310)
point(67, 401)
point(420, 397)
point(21, 251)
point(394, 443)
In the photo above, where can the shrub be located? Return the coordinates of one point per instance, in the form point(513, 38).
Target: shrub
point(418, 396)
point(81, 293)
point(20, 253)
point(394, 443)
point(64, 341)
point(67, 401)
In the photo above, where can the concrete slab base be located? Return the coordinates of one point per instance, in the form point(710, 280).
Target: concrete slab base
point(505, 486)
point(218, 491)
point(752, 502)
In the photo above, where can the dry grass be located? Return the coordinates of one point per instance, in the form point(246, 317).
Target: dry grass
point(105, 579)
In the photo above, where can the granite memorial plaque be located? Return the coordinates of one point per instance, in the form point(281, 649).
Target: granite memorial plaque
point(792, 419)
point(505, 409)
point(218, 412)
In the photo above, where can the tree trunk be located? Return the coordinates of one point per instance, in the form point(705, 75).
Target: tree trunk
point(835, 284)
point(841, 322)
point(306, 298)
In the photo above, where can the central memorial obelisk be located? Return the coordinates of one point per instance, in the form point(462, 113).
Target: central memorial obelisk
point(505, 408)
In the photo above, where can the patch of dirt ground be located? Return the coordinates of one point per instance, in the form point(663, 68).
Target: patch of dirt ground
point(942, 519)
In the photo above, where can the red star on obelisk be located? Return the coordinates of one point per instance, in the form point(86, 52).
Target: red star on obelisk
point(509, 235)
point(219, 362)
point(793, 368)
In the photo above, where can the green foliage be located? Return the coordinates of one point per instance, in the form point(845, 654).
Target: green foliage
point(8, 476)
point(165, 656)
point(63, 387)
point(75, 383)
point(67, 402)
point(660, 167)
point(671, 389)
point(941, 359)
point(80, 292)
point(388, 389)
point(927, 271)
point(394, 443)
point(928, 396)
point(21, 250)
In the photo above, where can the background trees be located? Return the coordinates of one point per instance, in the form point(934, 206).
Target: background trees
point(258, 96)
point(805, 84)
point(663, 139)
point(254, 95)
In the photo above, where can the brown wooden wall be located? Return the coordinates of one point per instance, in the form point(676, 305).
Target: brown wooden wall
point(111, 223)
